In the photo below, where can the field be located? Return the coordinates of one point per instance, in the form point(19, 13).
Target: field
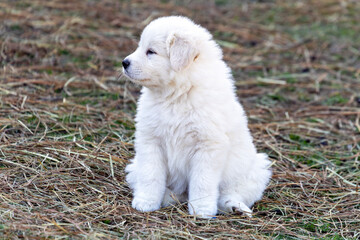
point(67, 120)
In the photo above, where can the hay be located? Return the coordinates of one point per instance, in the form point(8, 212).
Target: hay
point(66, 122)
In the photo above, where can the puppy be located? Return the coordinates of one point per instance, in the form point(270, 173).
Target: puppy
point(192, 142)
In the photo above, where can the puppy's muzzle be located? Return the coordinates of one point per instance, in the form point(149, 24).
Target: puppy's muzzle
point(126, 63)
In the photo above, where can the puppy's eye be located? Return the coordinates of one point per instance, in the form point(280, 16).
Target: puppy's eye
point(150, 51)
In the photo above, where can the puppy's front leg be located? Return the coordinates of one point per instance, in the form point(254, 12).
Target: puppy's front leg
point(150, 175)
point(204, 183)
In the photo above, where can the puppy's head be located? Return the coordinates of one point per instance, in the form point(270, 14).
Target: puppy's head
point(168, 46)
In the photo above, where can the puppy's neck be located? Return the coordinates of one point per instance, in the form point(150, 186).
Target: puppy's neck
point(174, 91)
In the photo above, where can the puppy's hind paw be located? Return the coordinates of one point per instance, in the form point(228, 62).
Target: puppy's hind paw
point(243, 209)
point(145, 205)
point(232, 206)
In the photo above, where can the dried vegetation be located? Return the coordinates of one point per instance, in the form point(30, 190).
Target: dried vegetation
point(66, 122)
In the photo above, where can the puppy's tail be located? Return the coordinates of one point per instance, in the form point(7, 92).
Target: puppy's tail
point(263, 160)
point(264, 164)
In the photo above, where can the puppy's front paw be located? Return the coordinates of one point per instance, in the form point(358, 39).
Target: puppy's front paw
point(203, 211)
point(145, 205)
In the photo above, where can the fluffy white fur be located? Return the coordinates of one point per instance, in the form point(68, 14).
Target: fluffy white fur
point(192, 140)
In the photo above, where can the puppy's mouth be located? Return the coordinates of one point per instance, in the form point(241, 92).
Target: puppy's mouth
point(128, 75)
point(133, 79)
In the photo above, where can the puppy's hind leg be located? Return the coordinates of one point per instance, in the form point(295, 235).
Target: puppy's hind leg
point(241, 189)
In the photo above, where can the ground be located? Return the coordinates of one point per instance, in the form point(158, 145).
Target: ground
point(67, 121)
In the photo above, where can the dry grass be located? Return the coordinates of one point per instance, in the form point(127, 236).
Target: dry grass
point(66, 122)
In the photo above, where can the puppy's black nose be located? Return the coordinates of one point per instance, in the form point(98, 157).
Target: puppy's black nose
point(126, 63)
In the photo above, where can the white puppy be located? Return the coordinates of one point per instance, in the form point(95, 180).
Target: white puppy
point(192, 140)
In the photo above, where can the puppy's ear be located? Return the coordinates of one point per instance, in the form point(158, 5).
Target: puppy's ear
point(181, 50)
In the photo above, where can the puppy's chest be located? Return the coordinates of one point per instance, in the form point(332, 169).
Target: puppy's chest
point(175, 127)
point(178, 138)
